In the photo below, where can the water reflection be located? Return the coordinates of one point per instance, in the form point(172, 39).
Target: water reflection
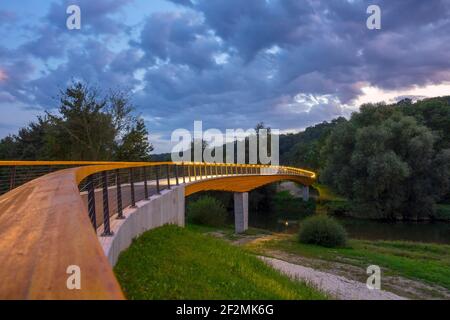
point(437, 232)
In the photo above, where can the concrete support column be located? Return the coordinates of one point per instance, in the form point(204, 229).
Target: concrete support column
point(305, 193)
point(241, 211)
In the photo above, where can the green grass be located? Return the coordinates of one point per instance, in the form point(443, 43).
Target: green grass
point(176, 263)
point(426, 262)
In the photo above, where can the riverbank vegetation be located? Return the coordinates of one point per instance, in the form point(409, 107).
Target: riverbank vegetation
point(322, 230)
point(208, 211)
point(182, 263)
point(390, 161)
point(426, 262)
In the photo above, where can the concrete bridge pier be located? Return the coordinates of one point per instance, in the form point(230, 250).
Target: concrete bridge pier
point(241, 211)
point(305, 193)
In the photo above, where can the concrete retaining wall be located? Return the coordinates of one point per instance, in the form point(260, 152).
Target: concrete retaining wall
point(167, 208)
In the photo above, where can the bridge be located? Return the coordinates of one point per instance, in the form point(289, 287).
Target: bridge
point(55, 215)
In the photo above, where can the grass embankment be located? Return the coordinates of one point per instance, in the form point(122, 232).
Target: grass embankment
point(426, 262)
point(176, 263)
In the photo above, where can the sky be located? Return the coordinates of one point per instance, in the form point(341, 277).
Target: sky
point(229, 63)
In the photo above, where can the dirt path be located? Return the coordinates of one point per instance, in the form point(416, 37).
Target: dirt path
point(336, 277)
point(336, 286)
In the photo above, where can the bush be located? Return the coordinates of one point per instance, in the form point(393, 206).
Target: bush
point(322, 230)
point(207, 211)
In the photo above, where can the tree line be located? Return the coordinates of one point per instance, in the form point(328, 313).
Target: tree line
point(392, 161)
point(87, 125)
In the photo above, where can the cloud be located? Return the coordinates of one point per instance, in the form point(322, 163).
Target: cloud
point(233, 63)
point(3, 75)
point(7, 17)
point(98, 17)
point(179, 38)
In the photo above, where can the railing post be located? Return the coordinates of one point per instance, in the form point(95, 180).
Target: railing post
point(144, 171)
point(206, 171)
point(133, 199)
point(106, 228)
point(236, 169)
point(168, 176)
point(158, 191)
point(195, 173)
point(184, 172)
point(119, 196)
point(189, 173)
point(176, 175)
point(215, 169)
point(91, 201)
point(12, 178)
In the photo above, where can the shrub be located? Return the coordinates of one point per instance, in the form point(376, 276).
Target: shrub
point(322, 230)
point(208, 211)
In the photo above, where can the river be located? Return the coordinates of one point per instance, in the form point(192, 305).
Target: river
point(435, 232)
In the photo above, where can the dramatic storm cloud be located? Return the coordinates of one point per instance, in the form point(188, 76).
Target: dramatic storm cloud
point(230, 63)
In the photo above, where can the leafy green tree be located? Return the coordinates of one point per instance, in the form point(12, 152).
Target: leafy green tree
point(87, 126)
point(8, 148)
point(387, 164)
point(134, 145)
point(304, 149)
point(28, 144)
point(83, 129)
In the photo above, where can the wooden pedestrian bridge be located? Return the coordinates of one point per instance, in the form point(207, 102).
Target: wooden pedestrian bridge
point(56, 215)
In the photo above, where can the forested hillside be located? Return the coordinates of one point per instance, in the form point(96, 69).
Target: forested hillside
point(391, 161)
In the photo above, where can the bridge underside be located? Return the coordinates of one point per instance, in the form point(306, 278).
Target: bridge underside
point(241, 183)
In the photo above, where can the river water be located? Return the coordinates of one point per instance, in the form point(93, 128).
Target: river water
point(436, 232)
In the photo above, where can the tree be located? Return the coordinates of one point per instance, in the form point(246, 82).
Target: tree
point(28, 144)
point(8, 148)
point(87, 126)
point(83, 128)
point(134, 145)
point(387, 164)
point(304, 149)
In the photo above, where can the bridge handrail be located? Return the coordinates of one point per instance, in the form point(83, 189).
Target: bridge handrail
point(45, 227)
point(9, 180)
